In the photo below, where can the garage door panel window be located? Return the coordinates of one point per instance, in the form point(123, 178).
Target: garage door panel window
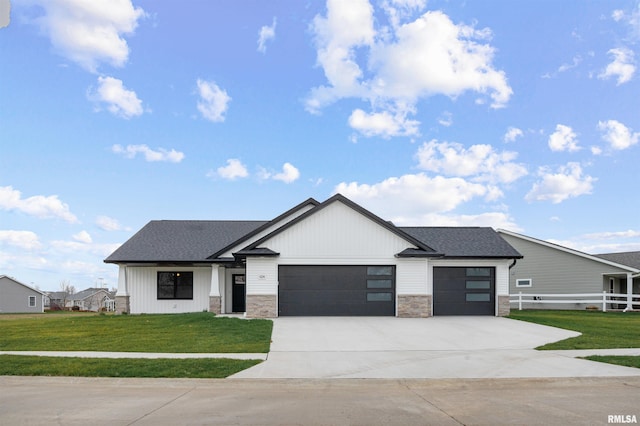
point(380, 270)
point(379, 297)
point(479, 272)
point(478, 297)
point(379, 284)
point(478, 285)
point(175, 285)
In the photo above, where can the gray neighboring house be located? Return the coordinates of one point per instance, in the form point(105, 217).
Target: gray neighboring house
point(331, 258)
point(549, 268)
point(17, 297)
point(91, 299)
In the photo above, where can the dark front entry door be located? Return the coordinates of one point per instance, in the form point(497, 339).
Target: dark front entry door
point(341, 290)
point(238, 293)
point(464, 291)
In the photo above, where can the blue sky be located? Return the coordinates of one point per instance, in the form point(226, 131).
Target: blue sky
point(519, 115)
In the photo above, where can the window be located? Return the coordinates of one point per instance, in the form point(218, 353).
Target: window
point(379, 297)
point(379, 270)
point(32, 301)
point(524, 282)
point(379, 284)
point(175, 285)
point(478, 297)
point(483, 285)
point(479, 272)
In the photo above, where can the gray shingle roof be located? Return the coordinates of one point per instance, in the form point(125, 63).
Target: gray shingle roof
point(197, 241)
point(181, 240)
point(630, 258)
point(477, 242)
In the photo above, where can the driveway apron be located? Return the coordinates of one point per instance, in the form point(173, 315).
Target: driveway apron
point(437, 347)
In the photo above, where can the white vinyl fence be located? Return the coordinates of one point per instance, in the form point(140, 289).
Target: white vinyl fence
point(599, 299)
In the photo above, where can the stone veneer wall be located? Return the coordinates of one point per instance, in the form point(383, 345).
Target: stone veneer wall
point(261, 306)
point(504, 308)
point(414, 306)
point(122, 305)
point(215, 305)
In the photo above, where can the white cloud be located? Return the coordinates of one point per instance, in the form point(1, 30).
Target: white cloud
point(492, 219)
point(623, 66)
point(83, 237)
point(23, 239)
point(118, 100)
point(512, 134)
point(617, 134)
point(82, 247)
point(107, 223)
point(130, 151)
point(233, 170)
point(617, 15)
point(630, 233)
point(478, 161)
point(567, 182)
point(446, 119)
point(393, 68)
point(266, 34)
point(383, 124)
point(90, 32)
point(38, 205)
point(412, 195)
point(563, 139)
point(289, 173)
point(213, 102)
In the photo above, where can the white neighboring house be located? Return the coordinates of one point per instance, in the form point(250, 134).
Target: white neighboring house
point(549, 268)
point(17, 297)
point(332, 258)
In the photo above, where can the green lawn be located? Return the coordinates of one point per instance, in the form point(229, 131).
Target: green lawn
point(194, 332)
point(624, 360)
point(600, 330)
point(17, 365)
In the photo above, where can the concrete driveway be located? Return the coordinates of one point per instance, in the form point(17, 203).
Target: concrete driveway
point(438, 347)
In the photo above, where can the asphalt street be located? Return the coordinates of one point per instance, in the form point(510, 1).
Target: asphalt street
point(114, 402)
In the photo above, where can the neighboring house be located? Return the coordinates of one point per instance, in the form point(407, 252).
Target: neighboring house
point(331, 258)
point(549, 268)
point(56, 300)
point(17, 297)
point(91, 299)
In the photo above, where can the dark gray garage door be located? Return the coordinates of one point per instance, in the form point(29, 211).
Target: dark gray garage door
point(336, 290)
point(464, 291)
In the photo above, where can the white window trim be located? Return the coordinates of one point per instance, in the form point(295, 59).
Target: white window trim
point(518, 281)
point(35, 301)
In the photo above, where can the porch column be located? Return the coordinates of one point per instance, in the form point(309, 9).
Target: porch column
point(629, 292)
point(214, 294)
point(122, 295)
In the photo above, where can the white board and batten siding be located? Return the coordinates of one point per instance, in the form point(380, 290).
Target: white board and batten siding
point(412, 276)
point(267, 231)
point(337, 235)
point(141, 286)
point(262, 275)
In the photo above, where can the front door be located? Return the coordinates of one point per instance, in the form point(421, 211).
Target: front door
point(238, 293)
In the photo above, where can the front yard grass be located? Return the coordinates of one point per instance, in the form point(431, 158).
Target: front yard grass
point(600, 330)
point(193, 332)
point(213, 368)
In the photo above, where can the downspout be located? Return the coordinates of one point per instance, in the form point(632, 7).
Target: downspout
point(513, 264)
